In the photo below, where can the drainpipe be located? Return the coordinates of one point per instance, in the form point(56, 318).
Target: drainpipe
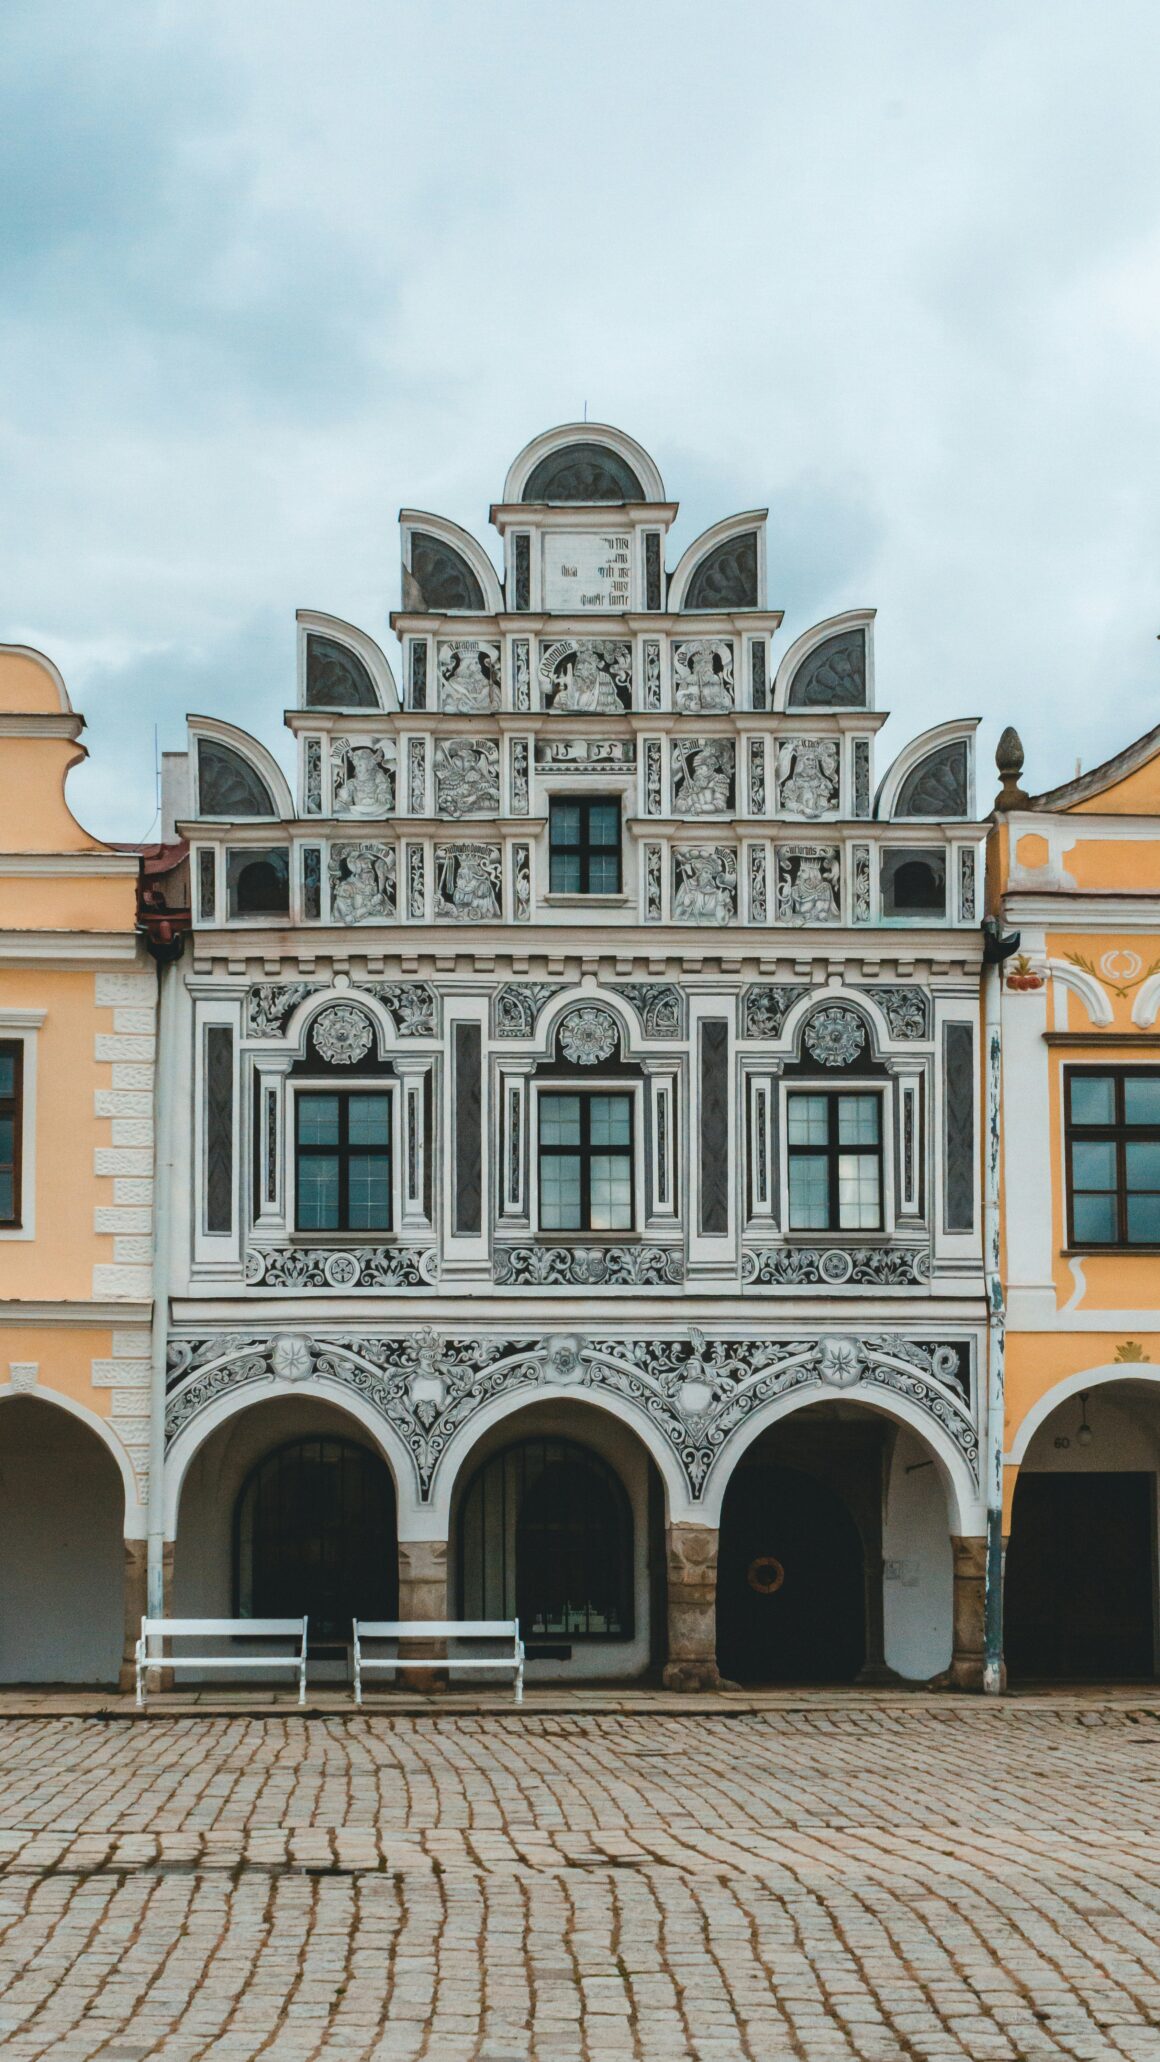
point(163, 1120)
point(997, 946)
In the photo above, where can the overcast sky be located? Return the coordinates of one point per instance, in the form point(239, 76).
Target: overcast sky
point(273, 268)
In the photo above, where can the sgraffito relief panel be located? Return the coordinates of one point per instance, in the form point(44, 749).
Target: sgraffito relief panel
point(586, 754)
point(467, 882)
point(469, 675)
point(363, 883)
point(586, 676)
point(808, 776)
point(466, 777)
point(704, 884)
point(698, 1393)
point(809, 884)
point(703, 772)
point(363, 776)
point(703, 675)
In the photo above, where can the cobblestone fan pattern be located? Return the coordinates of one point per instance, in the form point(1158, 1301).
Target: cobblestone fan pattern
point(878, 1883)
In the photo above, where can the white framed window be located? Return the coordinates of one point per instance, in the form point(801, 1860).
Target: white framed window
point(836, 1175)
point(344, 1160)
point(18, 1046)
point(587, 1159)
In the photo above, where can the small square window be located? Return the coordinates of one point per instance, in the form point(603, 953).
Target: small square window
point(584, 845)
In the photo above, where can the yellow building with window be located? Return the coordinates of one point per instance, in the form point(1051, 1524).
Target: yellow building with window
point(1076, 872)
point(77, 1014)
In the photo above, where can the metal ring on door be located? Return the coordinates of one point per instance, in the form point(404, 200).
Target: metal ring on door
point(765, 1574)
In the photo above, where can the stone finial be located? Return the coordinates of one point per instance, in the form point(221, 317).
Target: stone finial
point(1009, 760)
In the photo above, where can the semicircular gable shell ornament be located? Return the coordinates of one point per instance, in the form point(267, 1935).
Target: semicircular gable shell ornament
point(342, 1035)
point(588, 1036)
point(835, 1037)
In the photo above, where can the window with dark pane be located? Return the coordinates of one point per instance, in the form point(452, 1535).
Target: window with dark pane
point(545, 1536)
point(835, 1161)
point(584, 843)
point(343, 1160)
point(258, 882)
point(11, 1129)
point(1113, 1155)
point(585, 1146)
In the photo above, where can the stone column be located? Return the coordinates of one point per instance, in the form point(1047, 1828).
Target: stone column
point(692, 1568)
point(423, 1595)
point(136, 1594)
point(970, 1573)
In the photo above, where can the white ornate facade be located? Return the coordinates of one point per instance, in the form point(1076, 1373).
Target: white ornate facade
point(584, 1053)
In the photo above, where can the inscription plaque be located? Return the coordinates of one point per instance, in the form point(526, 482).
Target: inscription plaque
point(587, 569)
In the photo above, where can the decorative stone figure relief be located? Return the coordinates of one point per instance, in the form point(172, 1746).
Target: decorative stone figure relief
point(704, 884)
point(658, 1004)
point(418, 776)
point(522, 670)
point(469, 675)
point(519, 776)
point(807, 776)
point(861, 776)
point(271, 1004)
point(758, 898)
point(652, 776)
point(766, 1009)
point(652, 884)
point(652, 675)
point(861, 875)
point(363, 772)
point(703, 675)
point(808, 884)
point(467, 882)
point(313, 782)
point(517, 1005)
point(703, 776)
point(757, 776)
point(522, 882)
point(966, 885)
point(587, 676)
point(362, 883)
point(416, 890)
point(467, 777)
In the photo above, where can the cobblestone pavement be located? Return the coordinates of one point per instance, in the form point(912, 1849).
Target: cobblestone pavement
point(973, 1880)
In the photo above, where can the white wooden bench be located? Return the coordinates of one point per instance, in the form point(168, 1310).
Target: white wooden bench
point(166, 1631)
point(506, 1629)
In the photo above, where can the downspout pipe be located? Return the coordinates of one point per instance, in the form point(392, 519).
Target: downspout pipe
point(163, 1125)
point(997, 946)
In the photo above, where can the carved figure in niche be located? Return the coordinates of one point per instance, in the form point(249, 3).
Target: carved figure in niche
point(364, 783)
point(706, 887)
point(808, 885)
point(362, 883)
point(807, 775)
point(467, 882)
point(703, 676)
point(467, 777)
point(469, 674)
point(588, 676)
point(703, 777)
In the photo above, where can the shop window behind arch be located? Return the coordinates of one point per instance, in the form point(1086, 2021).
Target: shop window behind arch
point(545, 1536)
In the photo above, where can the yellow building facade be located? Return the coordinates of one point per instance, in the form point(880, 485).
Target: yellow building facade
point(77, 1049)
point(1076, 872)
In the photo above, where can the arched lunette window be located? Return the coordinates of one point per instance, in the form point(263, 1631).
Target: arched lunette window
point(545, 1536)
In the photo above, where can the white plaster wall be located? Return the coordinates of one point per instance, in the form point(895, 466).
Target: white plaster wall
point(918, 1568)
point(61, 1549)
point(606, 1436)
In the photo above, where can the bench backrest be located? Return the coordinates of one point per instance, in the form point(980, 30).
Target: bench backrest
point(223, 1628)
point(437, 1629)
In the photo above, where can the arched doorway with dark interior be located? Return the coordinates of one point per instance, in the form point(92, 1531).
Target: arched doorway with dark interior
point(835, 1561)
point(1081, 1596)
point(288, 1510)
point(62, 1553)
point(558, 1521)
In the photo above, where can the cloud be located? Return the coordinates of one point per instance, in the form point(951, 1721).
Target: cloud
point(275, 270)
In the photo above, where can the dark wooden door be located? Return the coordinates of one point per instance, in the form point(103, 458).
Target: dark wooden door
point(790, 1586)
point(1079, 1596)
point(316, 1536)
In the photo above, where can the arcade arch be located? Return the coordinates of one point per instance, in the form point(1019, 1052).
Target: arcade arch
point(1082, 1583)
point(62, 1547)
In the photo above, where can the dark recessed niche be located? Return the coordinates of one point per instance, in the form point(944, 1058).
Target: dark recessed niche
point(914, 882)
point(258, 881)
point(583, 472)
